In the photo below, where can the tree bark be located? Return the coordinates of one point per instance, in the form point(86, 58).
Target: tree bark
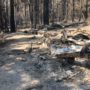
point(73, 10)
point(86, 9)
point(12, 21)
point(1, 15)
point(46, 12)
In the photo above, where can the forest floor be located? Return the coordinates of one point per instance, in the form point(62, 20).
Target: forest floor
point(38, 70)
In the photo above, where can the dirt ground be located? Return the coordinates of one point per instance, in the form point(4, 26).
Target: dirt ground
point(21, 69)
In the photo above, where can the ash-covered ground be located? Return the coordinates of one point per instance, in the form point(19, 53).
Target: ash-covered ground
point(22, 69)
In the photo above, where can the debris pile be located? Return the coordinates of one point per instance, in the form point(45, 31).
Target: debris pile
point(81, 37)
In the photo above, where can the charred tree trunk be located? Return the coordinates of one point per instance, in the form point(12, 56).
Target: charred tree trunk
point(73, 10)
point(31, 12)
point(36, 13)
point(25, 15)
point(65, 10)
point(6, 17)
point(64, 7)
point(86, 9)
point(12, 21)
point(1, 15)
point(46, 12)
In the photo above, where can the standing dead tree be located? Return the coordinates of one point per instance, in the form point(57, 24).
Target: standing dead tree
point(46, 12)
point(86, 16)
point(34, 13)
point(12, 21)
point(1, 15)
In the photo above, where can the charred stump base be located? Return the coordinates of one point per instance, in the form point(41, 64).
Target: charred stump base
point(68, 57)
point(70, 60)
point(67, 61)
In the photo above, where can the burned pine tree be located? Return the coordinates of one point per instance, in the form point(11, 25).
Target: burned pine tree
point(12, 21)
point(86, 16)
point(34, 13)
point(2, 14)
point(46, 12)
point(31, 12)
point(73, 10)
point(6, 15)
point(64, 10)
